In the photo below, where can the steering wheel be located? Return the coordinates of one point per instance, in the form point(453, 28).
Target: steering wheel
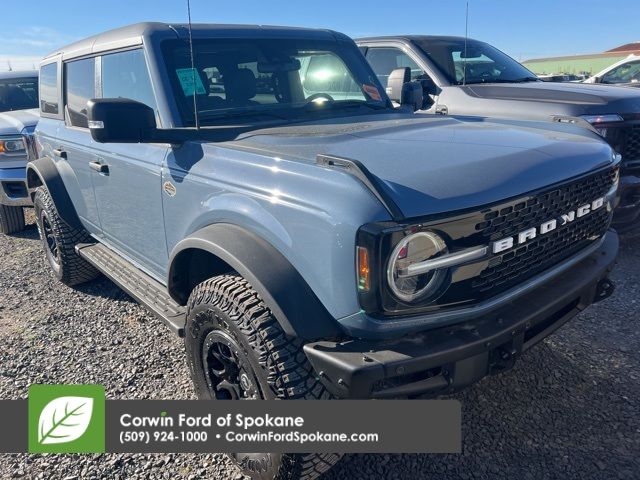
point(316, 96)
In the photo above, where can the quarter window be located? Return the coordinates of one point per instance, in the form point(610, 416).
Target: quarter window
point(49, 88)
point(125, 75)
point(79, 89)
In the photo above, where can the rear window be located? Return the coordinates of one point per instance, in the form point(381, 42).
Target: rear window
point(49, 88)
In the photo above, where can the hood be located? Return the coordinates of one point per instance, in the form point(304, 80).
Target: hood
point(577, 98)
point(435, 164)
point(13, 122)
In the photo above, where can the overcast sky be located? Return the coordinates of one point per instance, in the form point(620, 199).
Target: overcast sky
point(522, 28)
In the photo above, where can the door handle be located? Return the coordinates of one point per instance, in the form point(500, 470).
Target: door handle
point(99, 167)
point(58, 152)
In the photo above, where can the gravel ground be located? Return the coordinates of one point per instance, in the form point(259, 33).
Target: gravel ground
point(569, 409)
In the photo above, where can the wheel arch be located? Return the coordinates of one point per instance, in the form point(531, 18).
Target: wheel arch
point(43, 172)
point(221, 248)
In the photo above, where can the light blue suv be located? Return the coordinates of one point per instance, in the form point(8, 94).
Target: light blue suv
point(263, 198)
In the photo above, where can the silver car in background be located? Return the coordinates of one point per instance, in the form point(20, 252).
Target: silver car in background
point(18, 118)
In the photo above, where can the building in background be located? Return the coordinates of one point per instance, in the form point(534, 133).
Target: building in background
point(582, 64)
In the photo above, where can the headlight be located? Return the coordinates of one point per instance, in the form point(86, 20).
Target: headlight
point(416, 248)
point(601, 122)
point(12, 145)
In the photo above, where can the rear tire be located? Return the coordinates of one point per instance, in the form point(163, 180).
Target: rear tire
point(11, 219)
point(60, 240)
point(237, 350)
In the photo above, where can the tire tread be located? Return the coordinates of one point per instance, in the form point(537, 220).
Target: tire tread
point(74, 269)
point(288, 373)
point(11, 219)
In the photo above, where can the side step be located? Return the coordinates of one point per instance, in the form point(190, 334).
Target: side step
point(144, 289)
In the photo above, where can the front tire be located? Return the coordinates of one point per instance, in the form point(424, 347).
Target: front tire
point(237, 350)
point(60, 240)
point(11, 219)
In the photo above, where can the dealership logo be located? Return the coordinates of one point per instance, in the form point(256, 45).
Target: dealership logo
point(547, 227)
point(66, 419)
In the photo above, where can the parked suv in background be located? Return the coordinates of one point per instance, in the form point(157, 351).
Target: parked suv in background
point(306, 238)
point(18, 118)
point(469, 77)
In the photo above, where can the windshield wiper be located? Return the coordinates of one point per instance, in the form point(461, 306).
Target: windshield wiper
point(526, 79)
point(339, 104)
point(241, 114)
point(502, 80)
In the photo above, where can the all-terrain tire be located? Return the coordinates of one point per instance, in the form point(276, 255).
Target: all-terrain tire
point(11, 219)
point(227, 305)
point(60, 240)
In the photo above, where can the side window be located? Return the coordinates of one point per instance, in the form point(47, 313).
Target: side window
point(384, 60)
point(125, 75)
point(49, 88)
point(79, 88)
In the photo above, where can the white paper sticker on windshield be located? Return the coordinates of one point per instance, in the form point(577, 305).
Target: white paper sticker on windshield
point(186, 77)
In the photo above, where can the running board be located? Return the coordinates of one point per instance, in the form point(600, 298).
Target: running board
point(144, 289)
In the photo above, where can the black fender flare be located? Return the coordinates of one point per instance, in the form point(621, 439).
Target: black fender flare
point(43, 171)
point(294, 304)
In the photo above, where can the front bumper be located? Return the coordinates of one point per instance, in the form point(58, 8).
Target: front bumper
point(627, 214)
point(450, 358)
point(13, 187)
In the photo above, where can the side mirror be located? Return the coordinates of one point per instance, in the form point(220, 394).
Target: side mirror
point(120, 120)
point(397, 78)
point(412, 96)
point(429, 87)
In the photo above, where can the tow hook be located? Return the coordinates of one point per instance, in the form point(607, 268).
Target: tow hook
point(604, 290)
point(502, 358)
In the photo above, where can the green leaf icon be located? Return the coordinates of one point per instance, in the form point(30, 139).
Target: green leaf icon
point(64, 419)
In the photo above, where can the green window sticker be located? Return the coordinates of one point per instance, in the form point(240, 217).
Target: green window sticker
point(187, 77)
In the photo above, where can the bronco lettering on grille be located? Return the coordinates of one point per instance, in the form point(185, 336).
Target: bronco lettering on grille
point(549, 226)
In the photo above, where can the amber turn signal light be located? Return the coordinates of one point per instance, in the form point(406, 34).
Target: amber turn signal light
point(364, 272)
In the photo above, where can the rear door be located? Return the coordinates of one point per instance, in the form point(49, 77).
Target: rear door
point(128, 191)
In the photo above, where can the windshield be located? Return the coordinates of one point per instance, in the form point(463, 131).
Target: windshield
point(18, 93)
point(625, 73)
point(270, 78)
point(483, 63)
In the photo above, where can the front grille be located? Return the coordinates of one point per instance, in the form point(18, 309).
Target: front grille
point(30, 144)
point(631, 149)
point(522, 263)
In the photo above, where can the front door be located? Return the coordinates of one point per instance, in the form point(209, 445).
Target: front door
point(127, 182)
